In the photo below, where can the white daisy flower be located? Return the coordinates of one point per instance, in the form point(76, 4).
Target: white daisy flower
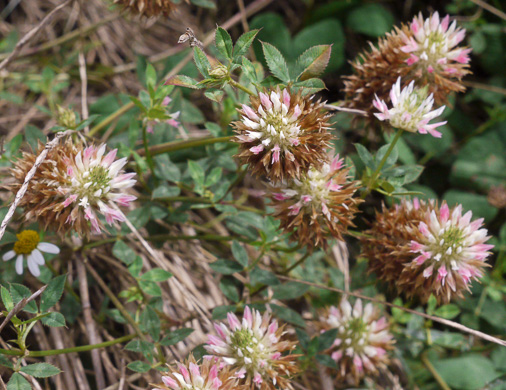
point(29, 246)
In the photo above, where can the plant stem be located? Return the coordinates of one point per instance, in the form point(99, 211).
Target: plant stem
point(426, 362)
point(185, 144)
point(377, 171)
point(111, 118)
point(83, 348)
point(241, 87)
point(149, 158)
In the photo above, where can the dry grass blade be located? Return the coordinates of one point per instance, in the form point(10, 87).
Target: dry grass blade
point(32, 33)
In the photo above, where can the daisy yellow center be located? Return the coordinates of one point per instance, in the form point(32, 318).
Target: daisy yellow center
point(27, 242)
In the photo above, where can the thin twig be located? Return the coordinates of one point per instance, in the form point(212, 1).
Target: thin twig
point(32, 33)
point(426, 362)
point(89, 322)
point(490, 9)
point(84, 89)
point(22, 303)
point(345, 109)
point(29, 176)
point(443, 321)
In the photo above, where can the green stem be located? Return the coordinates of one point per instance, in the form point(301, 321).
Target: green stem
point(185, 144)
point(83, 348)
point(426, 362)
point(149, 158)
point(242, 87)
point(377, 171)
point(111, 118)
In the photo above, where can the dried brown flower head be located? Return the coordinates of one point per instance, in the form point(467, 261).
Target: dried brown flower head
point(206, 375)
point(282, 134)
point(362, 340)
point(318, 204)
point(147, 8)
point(423, 51)
point(72, 185)
point(422, 249)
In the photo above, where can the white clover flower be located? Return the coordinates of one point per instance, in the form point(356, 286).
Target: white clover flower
point(451, 249)
point(433, 44)
point(254, 349)
point(362, 341)
point(411, 110)
point(29, 247)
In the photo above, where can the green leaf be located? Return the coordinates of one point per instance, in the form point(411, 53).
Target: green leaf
point(391, 159)
point(18, 292)
point(183, 81)
point(449, 311)
point(156, 275)
point(196, 172)
point(326, 339)
point(144, 347)
point(150, 76)
point(204, 3)
point(176, 336)
point(17, 382)
point(288, 315)
point(226, 267)
point(6, 299)
point(263, 276)
point(33, 135)
point(224, 43)
point(276, 62)
point(471, 372)
point(123, 252)
point(201, 61)
point(290, 290)
point(150, 288)
point(313, 61)
point(249, 70)
point(150, 323)
point(371, 19)
point(54, 319)
point(240, 253)
point(166, 169)
point(139, 366)
point(4, 361)
point(243, 43)
point(52, 293)
point(365, 156)
point(220, 312)
point(214, 176)
point(327, 361)
point(229, 288)
point(41, 370)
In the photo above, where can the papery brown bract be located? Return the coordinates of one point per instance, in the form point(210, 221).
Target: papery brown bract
point(377, 69)
point(71, 186)
point(320, 204)
point(147, 8)
point(362, 340)
point(282, 134)
point(422, 249)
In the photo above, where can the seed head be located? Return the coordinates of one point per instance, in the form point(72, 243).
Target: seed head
point(72, 185)
point(281, 135)
point(318, 204)
point(147, 8)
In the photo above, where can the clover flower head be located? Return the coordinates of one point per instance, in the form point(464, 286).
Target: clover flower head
point(320, 202)
point(172, 121)
point(450, 249)
point(254, 348)
point(207, 375)
point(29, 247)
point(73, 185)
point(433, 45)
point(411, 110)
point(362, 339)
point(282, 134)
